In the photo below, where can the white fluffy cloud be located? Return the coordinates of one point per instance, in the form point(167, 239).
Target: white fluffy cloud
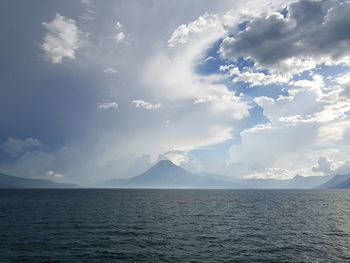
point(309, 121)
point(271, 173)
point(184, 33)
point(108, 105)
point(274, 146)
point(120, 35)
point(62, 39)
point(259, 78)
point(15, 146)
point(146, 105)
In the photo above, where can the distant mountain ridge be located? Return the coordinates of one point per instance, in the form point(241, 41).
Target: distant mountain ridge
point(307, 182)
point(8, 181)
point(340, 181)
point(344, 185)
point(166, 174)
point(297, 182)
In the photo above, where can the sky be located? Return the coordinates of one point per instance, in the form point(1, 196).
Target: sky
point(95, 90)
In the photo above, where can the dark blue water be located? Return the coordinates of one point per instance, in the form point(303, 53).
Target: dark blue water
point(174, 226)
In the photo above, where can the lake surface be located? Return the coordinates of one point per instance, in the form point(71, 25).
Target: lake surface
point(114, 225)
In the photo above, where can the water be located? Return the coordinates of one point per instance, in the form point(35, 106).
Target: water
point(174, 226)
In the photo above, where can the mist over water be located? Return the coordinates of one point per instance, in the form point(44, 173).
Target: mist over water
point(174, 225)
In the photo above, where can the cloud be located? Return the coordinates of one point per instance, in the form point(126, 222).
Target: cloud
point(272, 129)
point(184, 33)
point(273, 146)
point(41, 164)
point(180, 158)
point(311, 30)
point(110, 70)
point(120, 35)
point(344, 82)
point(190, 126)
point(343, 168)
point(54, 175)
point(146, 105)
point(209, 111)
point(260, 79)
point(15, 146)
point(271, 173)
point(89, 15)
point(343, 79)
point(309, 121)
point(62, 39)
point(31, 164)
point(86, 2)
point(324, 165)
point(108, 105)
point(307, 101)
point(125, 167)
point(176, 156)
point(315, 83)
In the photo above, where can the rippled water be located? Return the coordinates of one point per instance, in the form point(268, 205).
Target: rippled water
point(174, 226)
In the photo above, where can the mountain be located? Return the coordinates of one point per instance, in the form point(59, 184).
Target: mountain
point(307, 182)
point(344, 185)
point(297, 182)
point(166, 174)
point(336, 182)
point(7, 181)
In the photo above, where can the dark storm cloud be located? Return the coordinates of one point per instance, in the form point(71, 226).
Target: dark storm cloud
point(311, 29)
